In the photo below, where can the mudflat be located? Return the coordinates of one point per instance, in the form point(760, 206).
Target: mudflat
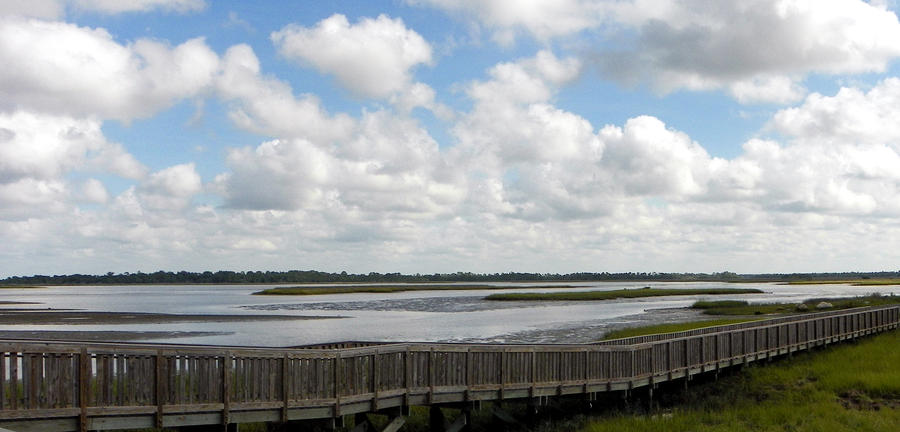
point(70, 317)
point(100, 336)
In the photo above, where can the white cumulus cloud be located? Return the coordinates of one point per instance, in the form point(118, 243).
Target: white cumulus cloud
point(45, 9)
point(758, 49)
point(65, 69)
point(37, 151)
point(47, 147)
point(542, 19)
point(391, 166)
point(373, 58)
point(267, 106)
point(93, 191)
point(55, 9)
point(850, 116)
point(120, 6)
point(171, 188)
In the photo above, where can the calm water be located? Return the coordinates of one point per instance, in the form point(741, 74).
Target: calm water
point(409, 316)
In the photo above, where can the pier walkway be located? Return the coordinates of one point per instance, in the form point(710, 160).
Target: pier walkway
point(60, 386)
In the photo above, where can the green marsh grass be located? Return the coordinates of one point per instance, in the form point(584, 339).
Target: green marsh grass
point(617, 294)
point(348, 289)
point(877, 282)
point(854, 282)
point(671, 328)
point(849, 387)
point(730, 307)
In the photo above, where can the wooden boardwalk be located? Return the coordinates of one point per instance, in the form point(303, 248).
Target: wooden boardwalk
point(57, 386)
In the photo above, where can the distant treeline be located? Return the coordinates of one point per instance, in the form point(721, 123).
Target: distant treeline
point(311, 276)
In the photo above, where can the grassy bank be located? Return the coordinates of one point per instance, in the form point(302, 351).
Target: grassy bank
point(847, 387)
point(348, 289)
point(617, 294)
point(732, 307)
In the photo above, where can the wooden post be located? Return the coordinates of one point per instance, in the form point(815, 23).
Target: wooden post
point(586, 376)
point(431, 357)
point(337, 386)
point(718, 355)
point(3, 380)
point(407, 372)
point(504, 365)
point(533, 372)
point(778, 340)
point(469, 372)
point(702, 354)
point(285, 388)
point(33, 376)
point(376, 378)
point(83, 388)
point(226, 388)
point(669, 359)
point(560, 372)
point(160, 396)
point(14, 378)
point(631, 369)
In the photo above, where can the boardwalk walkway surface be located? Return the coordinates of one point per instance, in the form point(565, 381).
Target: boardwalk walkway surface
point(58, 386)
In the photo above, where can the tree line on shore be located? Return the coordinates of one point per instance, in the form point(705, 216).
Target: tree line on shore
point(312, 276)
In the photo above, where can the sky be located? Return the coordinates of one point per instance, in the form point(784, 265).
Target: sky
point(433, 136)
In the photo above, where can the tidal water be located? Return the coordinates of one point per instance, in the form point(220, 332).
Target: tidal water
point(445, 316)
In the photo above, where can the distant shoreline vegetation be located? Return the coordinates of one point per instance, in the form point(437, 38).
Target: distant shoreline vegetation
point(617, 294)
point(312, 276)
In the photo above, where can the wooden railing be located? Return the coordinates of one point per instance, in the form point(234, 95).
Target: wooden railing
point(71, 386)
point(715, 329)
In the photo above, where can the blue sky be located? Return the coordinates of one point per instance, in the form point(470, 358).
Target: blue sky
point(439, 136)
